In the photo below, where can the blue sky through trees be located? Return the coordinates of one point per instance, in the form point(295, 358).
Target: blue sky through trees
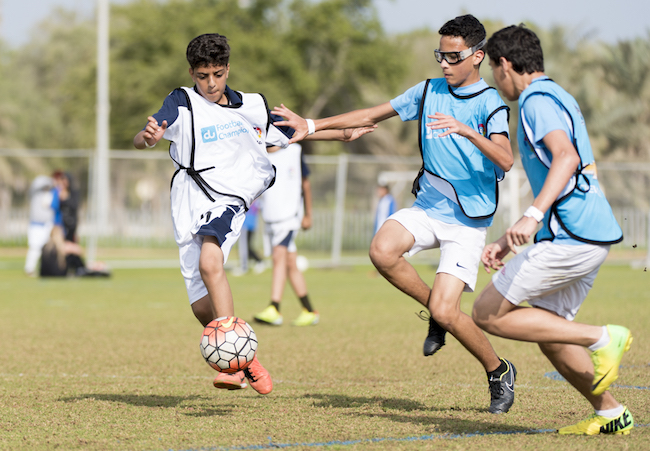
point(597, 19)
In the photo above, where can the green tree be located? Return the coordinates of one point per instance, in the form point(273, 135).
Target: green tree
point(313, 57)
point(53, 78)
point(624, 121)
point(47, 90)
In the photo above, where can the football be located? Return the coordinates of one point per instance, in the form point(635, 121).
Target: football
point(228, 344)
point(302, 263)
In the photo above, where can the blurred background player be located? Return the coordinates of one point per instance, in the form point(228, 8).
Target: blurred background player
point(218, 145)
point(463, 127)
point(43, 213)
point(386, 206)
point(286, 208)
point(555, 274)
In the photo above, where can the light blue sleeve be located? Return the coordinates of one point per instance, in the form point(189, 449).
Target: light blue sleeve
point(544, 115)
point(407, 105)
point(498, 123)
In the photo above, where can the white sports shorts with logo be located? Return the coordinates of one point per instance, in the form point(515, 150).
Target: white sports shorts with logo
point(460, 246)
point(555, 277)
point(223, 222)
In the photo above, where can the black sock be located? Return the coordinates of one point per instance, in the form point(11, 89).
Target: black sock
point(276, 305)
point(305, 302)
point(499, 371)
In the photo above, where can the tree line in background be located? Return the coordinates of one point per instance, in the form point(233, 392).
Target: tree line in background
point(318, 58)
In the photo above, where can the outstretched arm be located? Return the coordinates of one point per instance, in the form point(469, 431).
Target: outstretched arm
point(367, 117)
point(151, 134)
point(346, 135)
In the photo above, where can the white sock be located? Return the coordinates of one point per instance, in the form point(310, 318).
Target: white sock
point(611, 413)
point(602, 342)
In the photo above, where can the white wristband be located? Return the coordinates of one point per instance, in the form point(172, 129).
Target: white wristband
point(311, 127)
point(147, 145)
point(535, 213)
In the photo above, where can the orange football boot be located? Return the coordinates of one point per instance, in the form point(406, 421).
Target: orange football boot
point(259, 378)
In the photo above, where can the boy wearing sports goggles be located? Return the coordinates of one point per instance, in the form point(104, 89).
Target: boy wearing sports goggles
point(463, 126)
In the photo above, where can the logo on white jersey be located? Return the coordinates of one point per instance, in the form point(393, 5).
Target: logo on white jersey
point(228, 130)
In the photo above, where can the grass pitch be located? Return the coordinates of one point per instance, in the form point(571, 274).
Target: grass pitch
point(114, 364)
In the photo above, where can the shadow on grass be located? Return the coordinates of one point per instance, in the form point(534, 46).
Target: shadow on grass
point(406, 405)
point(344, 401)
point(165, 401)
point(441, 424)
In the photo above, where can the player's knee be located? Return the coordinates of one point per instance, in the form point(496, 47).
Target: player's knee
point(479, 318)
point(485, 310)
point(445, 315)
point(381, 254)
point(210, 268)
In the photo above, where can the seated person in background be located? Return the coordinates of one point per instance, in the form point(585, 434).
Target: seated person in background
point(60, 257)
point(68, 204)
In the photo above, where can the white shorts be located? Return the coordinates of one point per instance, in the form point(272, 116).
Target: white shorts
point(555, 277)
point(225, 223)
point(460, 246)
point(283, 232)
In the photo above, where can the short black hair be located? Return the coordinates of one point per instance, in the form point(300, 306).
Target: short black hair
point(520, 46)
point(210, 49)
point(467, 27)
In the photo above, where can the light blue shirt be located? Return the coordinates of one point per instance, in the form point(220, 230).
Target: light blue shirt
point(432, 201)
point(544, 115)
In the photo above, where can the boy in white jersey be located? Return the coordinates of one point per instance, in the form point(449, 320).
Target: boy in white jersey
point(463, 126)
point(286, 208)
point(577, 228)
point(218, 145)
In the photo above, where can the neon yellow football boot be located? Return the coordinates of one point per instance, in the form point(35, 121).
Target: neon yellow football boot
point(306, 318)
point(269, 315)
point(596, 424)
point(606, 360)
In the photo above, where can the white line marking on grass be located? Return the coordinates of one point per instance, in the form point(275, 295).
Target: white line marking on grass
point(273, 445)
point(143, 264)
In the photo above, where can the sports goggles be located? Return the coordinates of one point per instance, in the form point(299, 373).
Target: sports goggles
point(457, 57)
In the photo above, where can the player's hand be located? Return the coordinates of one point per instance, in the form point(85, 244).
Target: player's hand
point(494, 253)
point(449, 123)
point(519, 234)
point(292, 120)
point(350, 134)
point(306, 222)
point(154, 132)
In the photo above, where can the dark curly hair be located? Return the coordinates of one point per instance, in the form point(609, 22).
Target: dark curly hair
point(520, 46)
point(209, 49)
point(467, 27)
